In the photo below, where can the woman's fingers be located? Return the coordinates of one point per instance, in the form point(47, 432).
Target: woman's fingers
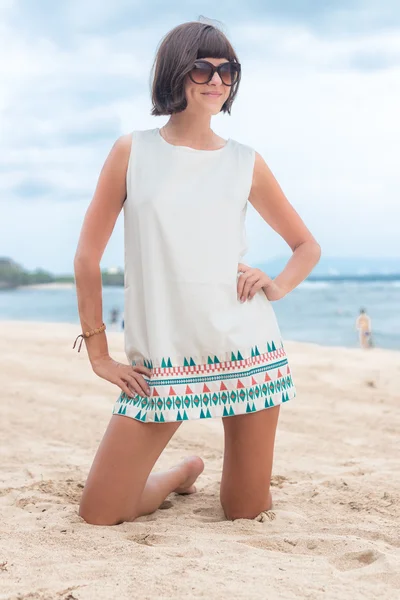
point(132, 385)
point(240, 285)
point(137, 383)
point(242, 267)
point(250, 281)
point(245, 284)
point(142, 369)
point(256, 288)
point(124, 387)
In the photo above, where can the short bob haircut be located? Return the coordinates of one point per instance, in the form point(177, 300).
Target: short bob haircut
point(174, 59)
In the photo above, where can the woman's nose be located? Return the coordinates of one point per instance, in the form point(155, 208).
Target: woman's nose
point(216, 79)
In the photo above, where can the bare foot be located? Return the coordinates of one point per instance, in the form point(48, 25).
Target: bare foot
point(191, 468)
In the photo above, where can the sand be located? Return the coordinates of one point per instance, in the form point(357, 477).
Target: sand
point(333, 531)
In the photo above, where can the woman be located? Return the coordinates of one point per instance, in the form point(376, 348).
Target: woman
point(201, 336)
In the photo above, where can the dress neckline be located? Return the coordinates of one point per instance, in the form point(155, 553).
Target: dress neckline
point(189, 148)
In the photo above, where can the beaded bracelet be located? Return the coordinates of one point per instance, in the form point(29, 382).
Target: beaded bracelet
point(87, 334)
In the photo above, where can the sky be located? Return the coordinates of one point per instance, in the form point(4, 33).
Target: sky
point(319, 100)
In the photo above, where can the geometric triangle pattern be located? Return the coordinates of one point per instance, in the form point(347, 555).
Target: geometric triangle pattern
point(215, 388)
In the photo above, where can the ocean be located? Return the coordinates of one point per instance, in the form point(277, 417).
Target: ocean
point(323, 312)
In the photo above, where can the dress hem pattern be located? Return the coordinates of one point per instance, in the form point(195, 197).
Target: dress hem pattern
point(215, 389)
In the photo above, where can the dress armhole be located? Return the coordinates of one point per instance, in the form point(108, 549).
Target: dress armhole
point(250, 163)
point(128, 170)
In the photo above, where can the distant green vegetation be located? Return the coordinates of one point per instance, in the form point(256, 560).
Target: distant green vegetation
point(13, 275)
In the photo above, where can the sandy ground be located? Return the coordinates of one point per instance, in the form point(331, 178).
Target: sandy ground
point(334, 529)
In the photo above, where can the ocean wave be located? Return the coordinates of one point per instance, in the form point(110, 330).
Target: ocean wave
point(320, 285)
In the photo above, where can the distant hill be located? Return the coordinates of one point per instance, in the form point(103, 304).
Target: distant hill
point(13, 275)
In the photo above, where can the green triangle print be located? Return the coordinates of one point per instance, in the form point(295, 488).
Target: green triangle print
point(143, 417)
point(185, 362)
point(163, 365)
point(231, 412)
point(192, 363)
point(248, 409)
point(225, 413)
point(208, 415)
point(178, 416)
point(216, 360)
point(162, 420)
point(185, 417)
point(256, 351)
point(273, 347)
point(210, 360)
point(169, 363)
point(156, 418)
point(122, 410)
point(202, 415)
point(239, 356)
point(138, 416)
point(269, 348)
point(233, 357)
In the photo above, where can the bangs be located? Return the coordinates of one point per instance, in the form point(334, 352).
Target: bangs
point(213, 43)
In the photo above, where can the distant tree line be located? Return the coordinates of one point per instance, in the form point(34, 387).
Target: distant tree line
point(13, 275)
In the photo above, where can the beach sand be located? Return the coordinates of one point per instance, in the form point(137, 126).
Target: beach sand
point(333, 531)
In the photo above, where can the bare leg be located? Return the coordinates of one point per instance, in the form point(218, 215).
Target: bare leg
point(248, 457)
point(179, 479)
point(118, 487)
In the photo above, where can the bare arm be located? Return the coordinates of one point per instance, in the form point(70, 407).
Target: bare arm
point(97, 228)
point(270, 202)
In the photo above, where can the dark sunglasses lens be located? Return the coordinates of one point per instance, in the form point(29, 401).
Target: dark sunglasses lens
point(229, 73)
point(201, 72)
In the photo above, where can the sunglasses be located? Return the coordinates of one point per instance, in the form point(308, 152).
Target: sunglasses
point(203, 71)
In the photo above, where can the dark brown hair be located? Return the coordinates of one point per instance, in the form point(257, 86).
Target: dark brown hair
point(176, 54)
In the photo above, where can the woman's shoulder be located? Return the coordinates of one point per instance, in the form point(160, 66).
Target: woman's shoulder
point(125, 140)
point(242, 147)
point(123, 145)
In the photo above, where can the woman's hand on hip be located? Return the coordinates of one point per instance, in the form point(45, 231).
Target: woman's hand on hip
point(128, 378)
point(253, 280)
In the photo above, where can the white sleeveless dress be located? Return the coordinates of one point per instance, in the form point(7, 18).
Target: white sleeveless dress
point(184, 226)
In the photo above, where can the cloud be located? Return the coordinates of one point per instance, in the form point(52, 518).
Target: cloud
point(320, 106)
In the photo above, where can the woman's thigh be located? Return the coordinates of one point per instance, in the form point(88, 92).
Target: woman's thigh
point(248, 457)
point(121, 466)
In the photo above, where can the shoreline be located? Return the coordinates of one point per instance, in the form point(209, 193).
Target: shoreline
point(69, 326)
point(46, 286)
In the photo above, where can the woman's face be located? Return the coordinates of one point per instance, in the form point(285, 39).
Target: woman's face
point(208, 97)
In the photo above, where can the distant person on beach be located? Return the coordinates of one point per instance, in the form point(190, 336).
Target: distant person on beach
point(114, 315)
point(364, 326)
point(201, 337)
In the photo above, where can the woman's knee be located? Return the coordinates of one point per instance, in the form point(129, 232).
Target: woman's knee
point(237, 508)
point(95, 516)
